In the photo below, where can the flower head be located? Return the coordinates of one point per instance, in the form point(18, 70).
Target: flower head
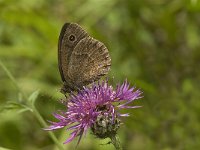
point(96, 107)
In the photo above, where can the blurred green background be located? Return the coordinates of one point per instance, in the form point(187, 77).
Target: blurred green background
point(155, 44)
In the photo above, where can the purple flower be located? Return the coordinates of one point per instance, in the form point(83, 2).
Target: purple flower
point(96, 107)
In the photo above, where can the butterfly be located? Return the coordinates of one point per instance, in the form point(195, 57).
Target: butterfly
point(81, 58)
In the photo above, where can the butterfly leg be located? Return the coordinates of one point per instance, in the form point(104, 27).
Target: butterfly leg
point(64, 89)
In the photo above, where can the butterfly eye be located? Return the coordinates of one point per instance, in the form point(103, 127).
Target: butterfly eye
point(72, 38)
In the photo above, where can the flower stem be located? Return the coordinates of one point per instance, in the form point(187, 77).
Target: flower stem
point(35, 111)
point(8, 73)
point(116, 142)
point(43, 123)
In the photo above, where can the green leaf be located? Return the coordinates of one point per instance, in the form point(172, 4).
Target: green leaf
point(14, 106)
point(3, 148)
point(32, 98)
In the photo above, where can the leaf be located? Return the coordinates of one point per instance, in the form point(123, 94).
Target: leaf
point(3, 148)
point(14, 106)
point(32, 98)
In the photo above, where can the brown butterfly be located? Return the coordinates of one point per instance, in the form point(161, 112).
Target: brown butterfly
point(81, 58)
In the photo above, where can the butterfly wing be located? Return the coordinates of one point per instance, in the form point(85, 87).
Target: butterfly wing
point(65, 49)
point(88, 62)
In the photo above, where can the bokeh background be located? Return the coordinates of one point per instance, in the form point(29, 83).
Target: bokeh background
point(155, 44)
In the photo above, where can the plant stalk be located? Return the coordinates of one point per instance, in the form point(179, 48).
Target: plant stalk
point(35, 111)
point(116, 142)
point(43, 123)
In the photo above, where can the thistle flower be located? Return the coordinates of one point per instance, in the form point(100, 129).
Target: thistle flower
point(96, 107)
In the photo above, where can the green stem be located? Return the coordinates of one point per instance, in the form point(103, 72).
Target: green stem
point(43, 123)
point(35, 111)
point(8, 73)
point(116, 142)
